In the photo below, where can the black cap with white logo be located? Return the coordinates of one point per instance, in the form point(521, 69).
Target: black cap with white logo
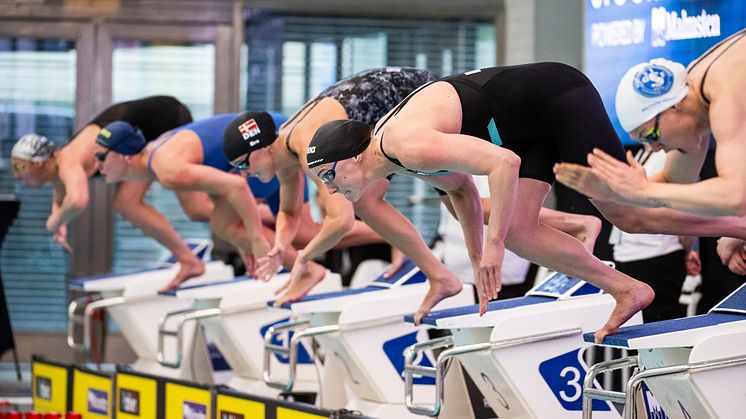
point(247, 132)
point(338, 140)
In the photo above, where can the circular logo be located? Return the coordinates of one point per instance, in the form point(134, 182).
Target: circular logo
point(653, 81)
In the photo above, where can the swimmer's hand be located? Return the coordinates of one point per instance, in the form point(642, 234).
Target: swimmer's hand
point(60, 237)
point(627, 181)
point(583, 180)
point(489, 276)
point(270, 264)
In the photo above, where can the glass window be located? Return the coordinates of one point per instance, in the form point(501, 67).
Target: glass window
point(37, 94)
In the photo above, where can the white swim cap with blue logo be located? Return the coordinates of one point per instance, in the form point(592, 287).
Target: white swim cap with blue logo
point(648, 89)
point(33, 147)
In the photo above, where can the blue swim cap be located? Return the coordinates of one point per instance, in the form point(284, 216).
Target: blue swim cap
point(121, 137)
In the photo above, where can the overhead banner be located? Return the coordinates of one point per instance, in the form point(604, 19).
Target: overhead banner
point(622, 33)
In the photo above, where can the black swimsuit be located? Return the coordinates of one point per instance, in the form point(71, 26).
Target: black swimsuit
point(153, 115)
point(544, 112)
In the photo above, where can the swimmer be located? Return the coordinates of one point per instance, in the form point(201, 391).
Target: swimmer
point(36, 161)
point(510, 124)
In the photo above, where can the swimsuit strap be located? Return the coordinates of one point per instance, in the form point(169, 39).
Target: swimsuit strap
point(735, 37)
point(152, 152)
point(308, 107)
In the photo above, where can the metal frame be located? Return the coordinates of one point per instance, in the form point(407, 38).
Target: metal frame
point(187, 315)
point(441, 365)
point(291, 352)
point(73, 319)
point(627, 398)
point(302, 330)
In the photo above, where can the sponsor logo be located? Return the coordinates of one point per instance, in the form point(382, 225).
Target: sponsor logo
point(674, 26)
point(105, 132)
point(597, 4)
point(618, 33)
point(652, 407)
point(252, 143)
point(653, 80)
point(98, 402)
point(129, 401)
point(564, 374)
point(43, 388)
point(249, 129)
point(230, 415)
point(394, 350)
point(311, 149)
point(191, 410)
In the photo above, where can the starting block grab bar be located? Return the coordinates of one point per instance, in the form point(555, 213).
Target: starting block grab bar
point(301, 330)
point(633, 385)
point(74, 319)
point(412, 369)
point(291, 351)
point(187, 315)
point(86, 319)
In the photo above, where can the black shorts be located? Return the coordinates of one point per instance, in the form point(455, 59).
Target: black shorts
point(545, 113)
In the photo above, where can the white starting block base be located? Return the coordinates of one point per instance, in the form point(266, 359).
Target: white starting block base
point(525, 354)
point(365, 337)
point(134, 304)
point(694, 367)
point(235, 316)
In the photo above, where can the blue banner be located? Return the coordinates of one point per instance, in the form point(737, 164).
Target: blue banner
point(622, 33)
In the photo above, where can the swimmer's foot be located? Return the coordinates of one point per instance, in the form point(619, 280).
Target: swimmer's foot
point(190, 268)
point(628, 302)
point(440, 289)
point(297, 289)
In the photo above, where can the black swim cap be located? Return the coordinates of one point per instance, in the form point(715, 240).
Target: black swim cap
point(337, 140)
point(248, 132)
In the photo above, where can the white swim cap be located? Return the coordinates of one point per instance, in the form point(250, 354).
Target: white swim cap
point(648, 89)
point(32, 147)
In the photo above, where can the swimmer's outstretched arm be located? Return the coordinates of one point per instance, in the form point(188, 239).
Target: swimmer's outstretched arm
point(232, 188)
point(70, 196)
point(633, 219)
point(288, 218)
point(431, 150)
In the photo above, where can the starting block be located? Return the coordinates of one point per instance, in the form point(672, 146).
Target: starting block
point(133, 302)
point(524, 354)
point(691, 367)
point(361, 336)
point(235, 316)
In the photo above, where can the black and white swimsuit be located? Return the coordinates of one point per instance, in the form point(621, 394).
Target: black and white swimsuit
point(367, 96)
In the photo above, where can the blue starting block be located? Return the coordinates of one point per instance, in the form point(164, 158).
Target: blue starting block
point(686, 368)
point(524, 354)
point(362, 335)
